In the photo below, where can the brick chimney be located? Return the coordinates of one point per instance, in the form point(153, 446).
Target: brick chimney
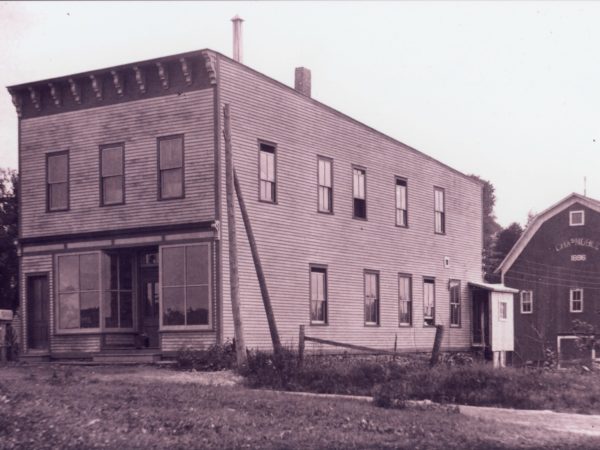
point(302, 83)
point(237, 38)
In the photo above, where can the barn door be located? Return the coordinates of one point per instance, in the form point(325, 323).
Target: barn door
point(38, 312)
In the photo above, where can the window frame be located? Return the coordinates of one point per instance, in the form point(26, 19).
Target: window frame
point(48, 156)
point(273, 145)
point(324, 268)
point(56, 294)
point(430, 280)
point(442, 212)
point(206, 327)
point(571, 300)
point(396, 209)
point(522, 301)
point(502, 305)
point(410, 301)
point(573, 224)
point(107, 289)
point(319, 186)
point(364, 170)
point(159, 170)
point(459, 303)
point(366, 323)
point(103, 147)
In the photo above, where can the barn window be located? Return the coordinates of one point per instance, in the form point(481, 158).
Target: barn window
point(371, 298)
point(576, 218)
point(359, 193)
point(185, 284)
point(118, 303)
point(57, 181)
point(401, 203)
point(170, 165)
point(78, 291)
point(576, 301)
point(112, 175)
point(325, 181)
point(439, 207)
point(404, 300)
point(526, 302)
point(318, 295)
point(428, 301)
point(268, 175)
point(454, 287)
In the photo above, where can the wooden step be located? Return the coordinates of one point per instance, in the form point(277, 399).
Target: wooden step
point(126, 357)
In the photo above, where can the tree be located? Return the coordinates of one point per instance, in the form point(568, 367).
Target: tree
point(507, 238)
point(9, 261)
point(490, 228)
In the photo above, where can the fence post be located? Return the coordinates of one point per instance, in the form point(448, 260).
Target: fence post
point(301, 346)
point(395, 346)
point(435, 353)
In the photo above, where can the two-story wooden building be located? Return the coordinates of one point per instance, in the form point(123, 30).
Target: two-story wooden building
point(122, 204)
point(555, 265)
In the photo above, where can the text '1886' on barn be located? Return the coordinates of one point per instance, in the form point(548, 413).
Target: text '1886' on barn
point(123, 226)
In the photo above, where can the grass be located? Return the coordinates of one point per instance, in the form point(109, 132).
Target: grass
point(47, 407)
point(411, 378)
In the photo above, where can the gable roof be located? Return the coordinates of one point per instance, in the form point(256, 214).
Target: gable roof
point(538, 221)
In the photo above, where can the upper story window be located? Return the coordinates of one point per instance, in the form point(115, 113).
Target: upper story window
point(318, 294)
point(454, 287)
point(112, 175)
point(428, 301)
point(526, 302)
point(439, 207)
point(325, 181)
point(57, 179)
point(359, 193)
point(576, 218)
point(576, 300)
point(371, 298)
point(404, 300)
point(170, 166)
point(401, 203)
point(268, 175)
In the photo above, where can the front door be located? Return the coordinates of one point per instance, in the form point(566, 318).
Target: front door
point(149, 306)
point(38, 312)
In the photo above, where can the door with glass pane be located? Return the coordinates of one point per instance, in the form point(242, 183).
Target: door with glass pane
point(38, 312)
point(149, 290)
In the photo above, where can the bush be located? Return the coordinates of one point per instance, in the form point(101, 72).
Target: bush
point(216, 357)
point(265, 369)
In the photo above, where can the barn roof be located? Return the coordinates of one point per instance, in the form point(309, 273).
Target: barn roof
point(539, 220)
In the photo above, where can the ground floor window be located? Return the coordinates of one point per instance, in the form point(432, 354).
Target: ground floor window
point(371, 298)
point(428, 301)
point(318, 295)
point(78, 291)
point(454, 287)
point(185, 285)
point(404, 300)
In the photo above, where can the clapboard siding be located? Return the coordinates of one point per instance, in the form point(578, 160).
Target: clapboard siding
point(137, 124)
point(291, 234)
point(175, 341)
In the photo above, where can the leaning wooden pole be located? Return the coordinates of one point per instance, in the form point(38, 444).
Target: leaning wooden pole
point(234, 278)
point(258, 267)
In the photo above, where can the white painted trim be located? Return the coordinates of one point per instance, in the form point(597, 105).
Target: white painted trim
point(571, 223)
point(538, 221)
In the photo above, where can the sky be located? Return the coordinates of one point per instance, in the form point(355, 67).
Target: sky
point(508, 91)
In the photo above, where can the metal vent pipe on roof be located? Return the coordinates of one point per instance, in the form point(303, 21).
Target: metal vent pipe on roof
point(237, 38)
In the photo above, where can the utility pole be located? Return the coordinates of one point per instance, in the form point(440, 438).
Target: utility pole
point(234, 279)
point(259, 270)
